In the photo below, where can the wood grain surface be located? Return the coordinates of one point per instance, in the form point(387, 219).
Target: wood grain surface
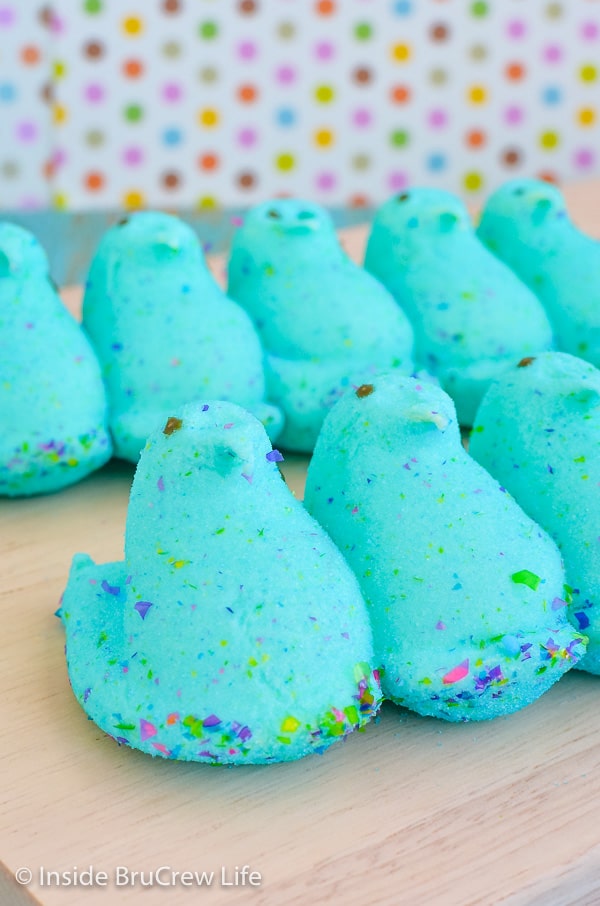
point(411, 811)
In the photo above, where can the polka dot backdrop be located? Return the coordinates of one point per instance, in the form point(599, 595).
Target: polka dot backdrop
point(201, 104)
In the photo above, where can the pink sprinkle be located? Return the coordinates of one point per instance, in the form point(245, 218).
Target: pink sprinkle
point(229, 425)
point(161, 748)
point(457, 673)
point(355, 511)
point(160, 484)
point(440, 625)
point(125, 669)
point(237, 221)
point(147, 729)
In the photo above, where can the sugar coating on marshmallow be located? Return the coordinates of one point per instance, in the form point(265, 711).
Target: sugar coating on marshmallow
point(233, 632)
point(462, 587)
point(325, 323)
point(471, 315)
point(538, 432)
point(164, 332)
point(52, 400)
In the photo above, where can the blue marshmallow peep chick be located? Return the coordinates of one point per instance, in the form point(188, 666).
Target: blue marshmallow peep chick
point(459, 582)
point(526, 224)
point(164, 332)
point(538, 432)
point(52, 400)
point(324, 322)
point(234, 631)
point(471, 315)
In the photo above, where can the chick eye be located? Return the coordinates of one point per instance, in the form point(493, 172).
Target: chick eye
point(273, 214)
point(404, 197)
point(124, 221)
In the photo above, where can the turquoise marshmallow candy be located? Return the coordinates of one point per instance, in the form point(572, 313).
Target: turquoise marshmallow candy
point(52, 401)
point(526, 224)
point(233, 632)
point(460, 583)
point(471, 315)
point(538, 432)
point(324, 322)
point(165, 333)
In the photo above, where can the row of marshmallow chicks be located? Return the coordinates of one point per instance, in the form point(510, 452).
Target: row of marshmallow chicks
point(306, 323)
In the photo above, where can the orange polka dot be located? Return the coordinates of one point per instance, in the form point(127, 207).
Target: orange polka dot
point(325, 7)
point(475, 138)
point(94, 181)
point(49, 169)
point(359, 201)
point(133, 69)
point(30, 55)
point(515, 72)
point(247, 93)
point(400, 94)
point(548, 176)
point(208, 162)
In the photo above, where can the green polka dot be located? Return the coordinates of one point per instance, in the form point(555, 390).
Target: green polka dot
point(473, 181)
point(479, 9)
point(133, 113)
point(363, 31)
point(324, 94)
point(92, 6)
point(399, 138)
point(588, 73)
point(285, 162)
point(208, 30)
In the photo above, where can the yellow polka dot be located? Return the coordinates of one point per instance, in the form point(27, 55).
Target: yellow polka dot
point(324, 94)
point(588, 73)
point(59, 114)
point(133, 26)
point(285, 162)
point(477, 94)
point(60, 200)
point(473, 181)
point(133, 199)
point(587, 116)
point(324, 138)
point(549, 140)
point(59, 69)
point(401, 53)
point(209, 118)
point(206, 203)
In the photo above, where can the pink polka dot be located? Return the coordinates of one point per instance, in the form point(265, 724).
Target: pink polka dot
point(516, 28)
point(513, 115)
point(589, 31)
point(94, 93)
point(553, 53)
point(286, 75)
point(59, 158)
point(31, 202)
point(246, 137)
point(362, 117)
point(247, 50)
point(172, 92)
point(27, 132)
point(324, 50)
point(133, 156)
point(326, 181)
point(584, 158)
point(437, 119)
point(397, 179)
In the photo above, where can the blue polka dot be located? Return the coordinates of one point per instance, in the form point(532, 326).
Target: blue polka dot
point(402, 7)
point(437, 162)
point(552, 95)
point(285, 116)
point(8, 92)
point(172, 136)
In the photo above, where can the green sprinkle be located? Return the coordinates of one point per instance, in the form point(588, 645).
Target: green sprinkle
point(526, 577)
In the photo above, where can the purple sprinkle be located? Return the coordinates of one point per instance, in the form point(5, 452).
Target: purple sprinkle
point(160, 484)
point(582, 619)
point(557, 603)
point(550, 469)
point(110, 589)
point(205, 407)
point(211, 721)
point(247, 477)
point(143, 607)
point(496, 672)
point(86, 694)
point(245, 733)
point(274, 456)
point(117, 347)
